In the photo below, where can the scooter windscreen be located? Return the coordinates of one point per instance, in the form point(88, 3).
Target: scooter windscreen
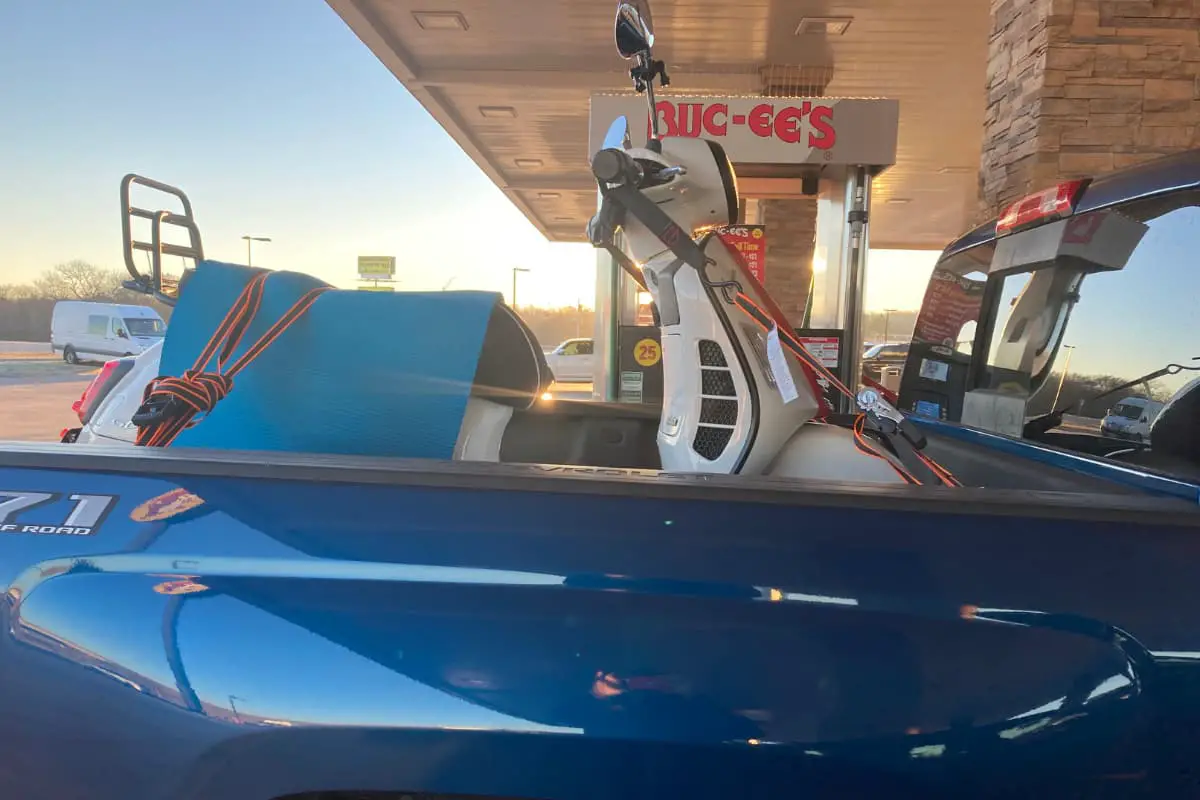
point(618, 135)
point(728, 180)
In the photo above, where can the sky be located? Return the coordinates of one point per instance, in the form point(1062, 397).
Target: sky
point(277, 121)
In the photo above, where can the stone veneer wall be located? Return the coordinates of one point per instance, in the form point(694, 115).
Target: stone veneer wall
point(791, 239)
point(1080, 87)
point(792, 223)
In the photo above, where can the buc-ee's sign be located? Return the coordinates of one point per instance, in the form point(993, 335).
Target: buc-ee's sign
point(761, 130)
point(788, 123)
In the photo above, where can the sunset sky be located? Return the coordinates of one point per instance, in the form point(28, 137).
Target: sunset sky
point(278, 122)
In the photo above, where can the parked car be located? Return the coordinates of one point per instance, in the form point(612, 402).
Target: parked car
point(86, 331)
point(107, 406)
point(573, 361)
point(1131, 419)
point(879, 357)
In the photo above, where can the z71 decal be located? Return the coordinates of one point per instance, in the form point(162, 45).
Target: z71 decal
point(82, 517)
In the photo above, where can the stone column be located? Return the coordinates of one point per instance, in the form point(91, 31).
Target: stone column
point(792, 223)
point(1080, 87)
point(791, 238)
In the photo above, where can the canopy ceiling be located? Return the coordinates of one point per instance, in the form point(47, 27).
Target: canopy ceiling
point(510, 82)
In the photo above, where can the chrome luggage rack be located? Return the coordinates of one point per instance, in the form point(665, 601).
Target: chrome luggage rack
point(163, 288)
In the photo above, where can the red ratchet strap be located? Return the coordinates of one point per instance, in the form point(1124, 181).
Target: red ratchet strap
point(774, 312)
point(911, 458)
point(170, 405)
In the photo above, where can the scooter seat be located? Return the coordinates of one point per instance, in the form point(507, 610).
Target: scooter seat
point(360, 373)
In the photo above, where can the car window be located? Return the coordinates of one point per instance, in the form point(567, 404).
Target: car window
point(97, 325)
point(1134, 321)
point(118, 327)
point(1127, 410)
point(584, 348)
point(568, 349)
point(145, 326)
point(1007, 346)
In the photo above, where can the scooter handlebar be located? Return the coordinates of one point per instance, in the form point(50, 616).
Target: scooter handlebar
point(611, 165)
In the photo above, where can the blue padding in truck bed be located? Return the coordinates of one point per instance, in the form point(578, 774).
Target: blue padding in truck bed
point(361, 373)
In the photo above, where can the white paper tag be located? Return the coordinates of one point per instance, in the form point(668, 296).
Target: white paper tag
point(779, 367)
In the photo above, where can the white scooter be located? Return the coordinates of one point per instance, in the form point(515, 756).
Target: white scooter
point(741, 394)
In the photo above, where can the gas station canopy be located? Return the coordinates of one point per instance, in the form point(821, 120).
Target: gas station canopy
point(511, 83)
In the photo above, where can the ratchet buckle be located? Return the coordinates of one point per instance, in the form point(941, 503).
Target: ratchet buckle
point(887, 419)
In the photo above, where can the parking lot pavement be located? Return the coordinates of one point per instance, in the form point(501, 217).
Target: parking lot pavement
point(41, 371)
point(41, 348)
point(36, 397)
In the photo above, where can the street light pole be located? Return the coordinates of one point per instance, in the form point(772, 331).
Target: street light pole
point(249, 242)
point(515, 270)
point(887, 321)
point(1070, 348)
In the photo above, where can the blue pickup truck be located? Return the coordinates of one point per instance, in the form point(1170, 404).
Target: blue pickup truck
point(343, 564)
point(572, 623)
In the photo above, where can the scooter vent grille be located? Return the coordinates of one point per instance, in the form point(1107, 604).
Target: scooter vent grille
point(711, 442)
point(718, 412)
point(717, 383)
point(718, 415)
point(711, 355)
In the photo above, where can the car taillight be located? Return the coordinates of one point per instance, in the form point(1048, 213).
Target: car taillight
point(108, 377)
point(1053, 203)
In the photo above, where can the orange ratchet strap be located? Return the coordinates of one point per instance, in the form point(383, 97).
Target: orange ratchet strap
point(919, 460)
point(170, 405)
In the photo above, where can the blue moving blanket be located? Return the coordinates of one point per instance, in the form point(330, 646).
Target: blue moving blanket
point(361, 373)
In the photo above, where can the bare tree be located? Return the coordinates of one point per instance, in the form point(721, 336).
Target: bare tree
point(79, 280)
point(17, 291)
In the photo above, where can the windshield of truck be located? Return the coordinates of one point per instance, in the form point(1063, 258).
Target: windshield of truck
point(1127, 410)
point(1066, 337)
point(145, 326)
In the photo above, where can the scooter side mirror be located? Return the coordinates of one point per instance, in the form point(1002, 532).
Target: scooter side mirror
point(632, 31)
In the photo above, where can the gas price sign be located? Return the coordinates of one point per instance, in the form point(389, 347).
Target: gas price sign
point(750, 241)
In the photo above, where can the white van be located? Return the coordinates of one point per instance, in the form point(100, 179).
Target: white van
point(1131, 419)
point(84, 331)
